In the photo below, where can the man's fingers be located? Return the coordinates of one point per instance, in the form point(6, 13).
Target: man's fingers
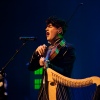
point(41, 61)
point(41, 49)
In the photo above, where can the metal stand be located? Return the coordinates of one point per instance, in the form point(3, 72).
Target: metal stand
point(3, 81)
point(44, 90)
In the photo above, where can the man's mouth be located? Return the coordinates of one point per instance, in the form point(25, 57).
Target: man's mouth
point(47, 33)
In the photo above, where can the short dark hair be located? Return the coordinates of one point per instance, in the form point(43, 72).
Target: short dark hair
point(56, 22)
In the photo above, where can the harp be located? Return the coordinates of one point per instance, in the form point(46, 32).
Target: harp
point(55, 78)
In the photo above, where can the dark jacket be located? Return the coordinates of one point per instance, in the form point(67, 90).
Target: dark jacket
point(62, 63)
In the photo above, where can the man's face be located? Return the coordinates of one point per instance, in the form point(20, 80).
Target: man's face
point(51, 32)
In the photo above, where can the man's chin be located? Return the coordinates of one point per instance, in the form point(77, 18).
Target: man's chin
point(49, 41)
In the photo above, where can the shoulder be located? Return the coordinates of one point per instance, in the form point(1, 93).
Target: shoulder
point(65, 45)
point(68, 46)
point(68, 49)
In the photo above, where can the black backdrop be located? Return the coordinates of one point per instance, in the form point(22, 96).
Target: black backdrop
point(27, 18)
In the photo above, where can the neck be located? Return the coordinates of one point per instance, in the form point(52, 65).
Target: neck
point(54, 42)
point(56, 39)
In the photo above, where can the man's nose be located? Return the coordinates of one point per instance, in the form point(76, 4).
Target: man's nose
point(46, 28)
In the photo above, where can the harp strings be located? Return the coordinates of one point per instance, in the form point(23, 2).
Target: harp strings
point(63, 81)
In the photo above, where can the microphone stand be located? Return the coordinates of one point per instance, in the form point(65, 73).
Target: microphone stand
point(3, 82)
point(43, 93)
point(74, 12)
point(46, 65)
point(47, 62)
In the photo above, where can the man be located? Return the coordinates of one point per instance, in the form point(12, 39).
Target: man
point(62, 62)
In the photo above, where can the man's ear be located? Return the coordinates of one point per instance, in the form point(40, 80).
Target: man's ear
point(60, 30)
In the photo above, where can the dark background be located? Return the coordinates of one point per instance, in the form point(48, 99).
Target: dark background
point(27, 18)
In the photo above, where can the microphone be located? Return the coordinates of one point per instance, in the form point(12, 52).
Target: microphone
point(48, 55)
point(28, 38)
point(47, 62)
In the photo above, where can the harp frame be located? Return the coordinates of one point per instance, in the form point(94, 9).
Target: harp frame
point(55, 78)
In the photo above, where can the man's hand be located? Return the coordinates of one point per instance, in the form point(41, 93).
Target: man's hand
point(42, 61)
point(41, 49)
